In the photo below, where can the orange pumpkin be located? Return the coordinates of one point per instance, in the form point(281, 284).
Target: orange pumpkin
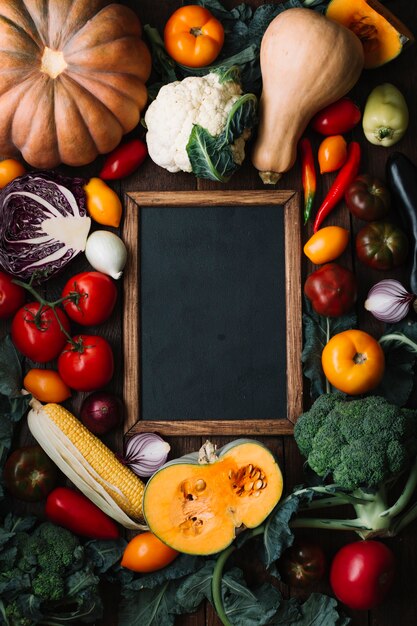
point(72, 79)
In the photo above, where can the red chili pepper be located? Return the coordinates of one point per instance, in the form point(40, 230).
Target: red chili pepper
point(345, 176)
point(74, 511)
point(308, 174)
point(124, 160)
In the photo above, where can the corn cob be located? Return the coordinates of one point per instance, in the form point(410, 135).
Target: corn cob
point(89, 454)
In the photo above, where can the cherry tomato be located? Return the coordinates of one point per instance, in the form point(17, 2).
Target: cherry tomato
point(12, 297)
point(353, 362)
point(93, 296)
point(332, 153)
point(103, 204)
point(331, 289)
point(36, 332)
point(368, 198)
point(147, 553)
point(302, 564)
point(362, 573)
point(86, 364)
point(46, 385)
point(326, 244)
point(193, 37)
point(337, 118)
point(124, 160)
point(9, 170)
point(74, 511)
point(29, 474)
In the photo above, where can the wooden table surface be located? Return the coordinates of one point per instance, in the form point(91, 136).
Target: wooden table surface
point(400, 608)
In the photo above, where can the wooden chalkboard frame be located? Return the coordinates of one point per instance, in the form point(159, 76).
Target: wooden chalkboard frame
point(289, 200)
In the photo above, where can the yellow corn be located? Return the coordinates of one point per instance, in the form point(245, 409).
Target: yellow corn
point(129, 494)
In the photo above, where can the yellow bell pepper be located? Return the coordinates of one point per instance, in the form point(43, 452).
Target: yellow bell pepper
point(385, 118)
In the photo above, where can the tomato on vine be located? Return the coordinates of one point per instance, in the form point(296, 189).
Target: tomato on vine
point(86, 363)
point(38, 331)
point(90, 298)
point(12, 296)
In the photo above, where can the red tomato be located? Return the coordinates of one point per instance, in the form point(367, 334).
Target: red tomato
point(12, 297)
point(29, 474)
point(74, 511)
point(337, 118)
point(362, 573)
point(36, 332)
point(93, 296)
point(86, 364)
point(331, 289)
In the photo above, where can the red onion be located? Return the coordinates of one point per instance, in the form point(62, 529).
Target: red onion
point(389, 301)
point(101, 411)
point(145, 453)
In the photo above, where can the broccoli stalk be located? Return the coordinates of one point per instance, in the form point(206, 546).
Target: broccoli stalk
point(366, 445)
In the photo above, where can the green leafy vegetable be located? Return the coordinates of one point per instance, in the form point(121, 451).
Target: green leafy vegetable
point(317, 332)
point(399, 343)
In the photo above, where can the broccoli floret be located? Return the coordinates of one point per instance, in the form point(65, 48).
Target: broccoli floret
point(364, 445)
point(360, 442)
point(48, 586)
point(55, 547)
point(14, 616)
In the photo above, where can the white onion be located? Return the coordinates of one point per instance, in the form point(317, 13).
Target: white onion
point(145, 453)
point(389, 301)
point(106, 252)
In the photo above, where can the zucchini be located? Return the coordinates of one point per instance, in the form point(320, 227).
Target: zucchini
point(401, 175)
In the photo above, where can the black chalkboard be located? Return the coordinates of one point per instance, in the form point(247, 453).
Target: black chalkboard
point(212, 312)
point(213, 337)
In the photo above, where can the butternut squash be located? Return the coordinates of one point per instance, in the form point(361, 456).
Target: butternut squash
point(195, 503)
point(307, 62)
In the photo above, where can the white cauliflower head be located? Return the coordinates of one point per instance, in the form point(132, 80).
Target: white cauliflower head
point(203, 101)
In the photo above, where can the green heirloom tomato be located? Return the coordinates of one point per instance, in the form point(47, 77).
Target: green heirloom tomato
point(29, 474)
point(367, 198)
point(385, 118)
point(381, 245)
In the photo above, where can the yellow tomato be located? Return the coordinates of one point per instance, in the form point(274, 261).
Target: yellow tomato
point(9, 170)
point(193, 37)
point(46, 385)
point(353, 362)
point(147, 553)
point(332, 153)
point(326, 244)
point(103, 204)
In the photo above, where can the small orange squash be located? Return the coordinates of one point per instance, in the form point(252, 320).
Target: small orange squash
point(194, 504)
point(381, 33)
point(307, 62)
point(72, 79)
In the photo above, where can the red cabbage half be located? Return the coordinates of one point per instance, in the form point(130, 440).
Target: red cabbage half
point(43, 223)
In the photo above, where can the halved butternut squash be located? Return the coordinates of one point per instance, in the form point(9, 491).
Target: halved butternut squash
point(195, 504)
point(382, 34)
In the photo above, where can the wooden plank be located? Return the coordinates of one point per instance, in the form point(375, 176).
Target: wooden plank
point(131, 310)
point(181, 428)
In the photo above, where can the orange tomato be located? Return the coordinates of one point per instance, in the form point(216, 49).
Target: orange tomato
point(326, 244)
point(332, 153)
point(147, 553)
point(46, 385)
point(193, 37)
point(353, 362)
point(103, 204)
point(9, 170)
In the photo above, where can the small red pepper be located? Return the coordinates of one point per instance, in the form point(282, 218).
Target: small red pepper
point(308, 174)
point(124, 160)
point(345, 176)
point(74, 511)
